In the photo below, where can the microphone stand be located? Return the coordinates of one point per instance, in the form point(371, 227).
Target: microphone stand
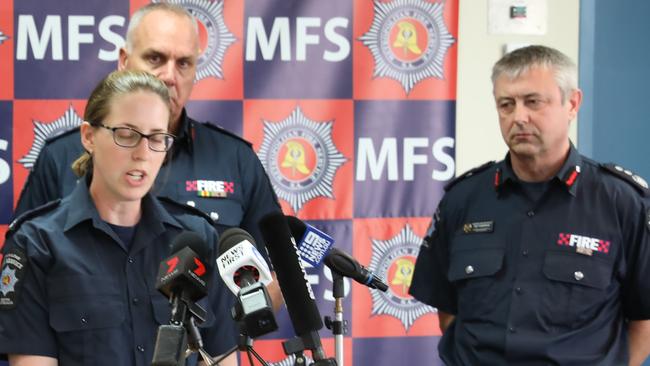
point(339, 325)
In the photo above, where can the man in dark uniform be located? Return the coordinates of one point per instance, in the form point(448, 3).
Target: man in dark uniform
point(542, 258)
point(209, 168)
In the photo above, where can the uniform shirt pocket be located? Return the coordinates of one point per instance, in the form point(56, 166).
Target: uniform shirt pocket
point(473, 272)
point(577, 287)
point(87, 313)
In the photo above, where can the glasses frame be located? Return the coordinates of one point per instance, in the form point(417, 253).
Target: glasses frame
point(141, 135)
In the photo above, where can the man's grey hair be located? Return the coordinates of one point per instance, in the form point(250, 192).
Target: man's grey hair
point(139, 14)
point(519, 61)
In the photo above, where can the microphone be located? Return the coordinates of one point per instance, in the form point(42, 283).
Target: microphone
point(313, 244)
point(184, 275)
point(292, 278)
point(346, 266)
point(239, 262)
point(245, 272)
point(183, 278)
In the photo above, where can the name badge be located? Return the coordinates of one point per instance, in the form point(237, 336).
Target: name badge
point(478, 227)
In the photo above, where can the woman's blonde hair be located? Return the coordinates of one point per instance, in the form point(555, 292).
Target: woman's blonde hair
point(116, 84)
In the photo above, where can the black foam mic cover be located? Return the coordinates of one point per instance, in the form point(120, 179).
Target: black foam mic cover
point(292, 277)
point(232, 237)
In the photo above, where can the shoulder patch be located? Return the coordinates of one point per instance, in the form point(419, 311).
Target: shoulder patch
point(225, 132)
point(62, 134)
point(468, 174)
point(627, 175)
point(28, 215)
point(183, 207)
point(12, 273)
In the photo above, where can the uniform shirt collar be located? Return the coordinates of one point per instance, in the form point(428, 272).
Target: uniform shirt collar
point(184, 135)
point(567, 176)
point(83, 209)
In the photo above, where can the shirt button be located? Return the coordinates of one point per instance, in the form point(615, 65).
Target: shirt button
point(135, 301)
point(578, 275)
point(518, 290)
point(524, 252)
point(530, 213)
point(512, 330)
point(469, 269)
point(131, 260)
point(140, 348)
point(84, 320)
point(214, 216)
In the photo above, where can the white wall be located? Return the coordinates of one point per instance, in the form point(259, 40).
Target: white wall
point(478, 138)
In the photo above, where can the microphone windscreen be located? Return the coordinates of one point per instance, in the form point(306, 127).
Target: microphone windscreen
point(193, 241)
point(292, 278)
point(297, 226)
point(232, 237)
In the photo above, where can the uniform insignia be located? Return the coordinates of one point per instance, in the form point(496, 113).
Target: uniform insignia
point(14, 265)
point(468, 174)
point(478, 227)
point(583, 244)
point(635, 180)
point(210, 188)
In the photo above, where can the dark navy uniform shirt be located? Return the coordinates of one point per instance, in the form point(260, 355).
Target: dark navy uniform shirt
point(72, 292)
point(538, 282)
point(208, 168)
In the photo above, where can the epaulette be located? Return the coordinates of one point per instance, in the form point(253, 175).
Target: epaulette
point(28, 215)
point(468, 174)
point(627, 175)
point(62, 134)
point(226, 132)
point(186, 208)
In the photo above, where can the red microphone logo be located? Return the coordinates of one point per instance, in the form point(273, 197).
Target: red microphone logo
point(200, 267)
point(172, 263)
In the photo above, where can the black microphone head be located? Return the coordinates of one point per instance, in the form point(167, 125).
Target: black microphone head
point(192, 240)
point(342, 263)
point(232, 237)
point(188, 268)
point(297, 227)
point(298, 295)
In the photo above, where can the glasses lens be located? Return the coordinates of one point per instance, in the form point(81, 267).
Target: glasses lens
point(126, 137)
point(160, 141)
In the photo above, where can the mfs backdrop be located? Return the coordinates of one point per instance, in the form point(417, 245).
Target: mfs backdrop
point(365, 90)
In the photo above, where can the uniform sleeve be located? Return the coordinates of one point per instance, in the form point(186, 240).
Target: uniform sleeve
point(430, 284)
point(222, 335)
point(636, 288)
point(260, 198)
point(24, 319)
point(43, 183)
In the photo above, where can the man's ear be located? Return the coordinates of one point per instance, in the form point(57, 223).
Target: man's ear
point(122, 59)
point(575, 101)
point(87, 132)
